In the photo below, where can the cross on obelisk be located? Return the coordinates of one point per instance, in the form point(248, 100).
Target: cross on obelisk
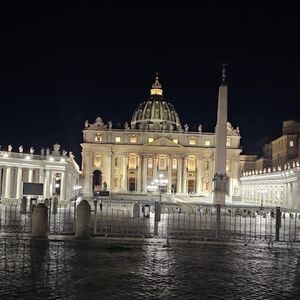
point(220, 177)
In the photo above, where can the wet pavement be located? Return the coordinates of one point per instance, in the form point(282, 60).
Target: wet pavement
point(38, 269)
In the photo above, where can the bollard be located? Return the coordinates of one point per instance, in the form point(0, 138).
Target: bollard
point(83, 220)
point(278, 223)
point(157, 212)
point(39, 225)
point(54, 205)
point(23, 206)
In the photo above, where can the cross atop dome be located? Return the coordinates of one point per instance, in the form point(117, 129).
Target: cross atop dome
point(156, 87)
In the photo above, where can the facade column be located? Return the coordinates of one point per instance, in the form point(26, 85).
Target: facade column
point(139, 174)
point(30, 174)
point(198, 177)
point(7, 182)
point(19, 183)
point(179, 175)
point(124, 173)
point(155, 160)
point(63, 186)
point(170, 175)
point(109, 172)
point(184, 176)
point(145, 174)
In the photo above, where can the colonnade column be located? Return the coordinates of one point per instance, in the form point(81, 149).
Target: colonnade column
point(30, 174)
point(46, 185)
point(184, 175)
point(198, 178)
point(19, 183)
point(145, 173)
point(1, 188)
point(62, 186)
point(170, 175)
point(179, 175)
point(7, 182)
point(41, 175)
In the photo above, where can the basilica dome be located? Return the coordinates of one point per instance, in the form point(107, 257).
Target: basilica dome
point(156, 113)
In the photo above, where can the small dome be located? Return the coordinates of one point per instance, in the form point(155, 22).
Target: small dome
point(156, 113)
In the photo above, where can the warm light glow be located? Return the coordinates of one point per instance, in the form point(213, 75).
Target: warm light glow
point(150, 140)
point(207, 143)
point(156, 91)
point(5, 155)
point(228, 142)
point(118, 139)
point(77, 187)
point(98, 137)
point(192, 141)
point(27, 157)
point(133, 139)
point(62, 159)
point(175, 141)
point(51, 158)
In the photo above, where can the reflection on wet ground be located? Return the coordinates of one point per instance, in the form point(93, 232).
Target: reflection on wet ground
point(39, 269)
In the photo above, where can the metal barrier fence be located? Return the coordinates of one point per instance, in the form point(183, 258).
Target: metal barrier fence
point(162, 220)
point(16, 218)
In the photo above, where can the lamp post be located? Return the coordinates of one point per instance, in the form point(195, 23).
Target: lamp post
point(161, 184)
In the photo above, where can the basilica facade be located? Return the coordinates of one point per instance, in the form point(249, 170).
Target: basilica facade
point(155, 145)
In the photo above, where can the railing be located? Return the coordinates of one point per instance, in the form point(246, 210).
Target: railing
point(16, 218)
point(163, 220)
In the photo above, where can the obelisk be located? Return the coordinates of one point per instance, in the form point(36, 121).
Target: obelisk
point(220, 178)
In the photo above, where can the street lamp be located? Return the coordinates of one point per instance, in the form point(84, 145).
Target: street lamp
point(160, 183)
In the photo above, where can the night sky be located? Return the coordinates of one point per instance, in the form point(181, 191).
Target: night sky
point(61, 64)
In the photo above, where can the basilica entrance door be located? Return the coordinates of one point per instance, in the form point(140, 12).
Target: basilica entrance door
point(132, 186)
point(191, 186)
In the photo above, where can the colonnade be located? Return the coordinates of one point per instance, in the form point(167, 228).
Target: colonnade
point(12, 178)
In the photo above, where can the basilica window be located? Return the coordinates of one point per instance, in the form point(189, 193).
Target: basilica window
point(118, 139)
point(192, 141)
point(133, 139)
point(228, 142)
point(207, 165)
point(207, 143)
point(174, 164)
point(291, 143)
point(150, 139)
point(97, 161)
point(175, 141)
point(162, 166)
point(191, 164)
point(132, 163)
point(98, 137)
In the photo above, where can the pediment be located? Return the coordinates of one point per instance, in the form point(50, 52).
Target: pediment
point(163, 142)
